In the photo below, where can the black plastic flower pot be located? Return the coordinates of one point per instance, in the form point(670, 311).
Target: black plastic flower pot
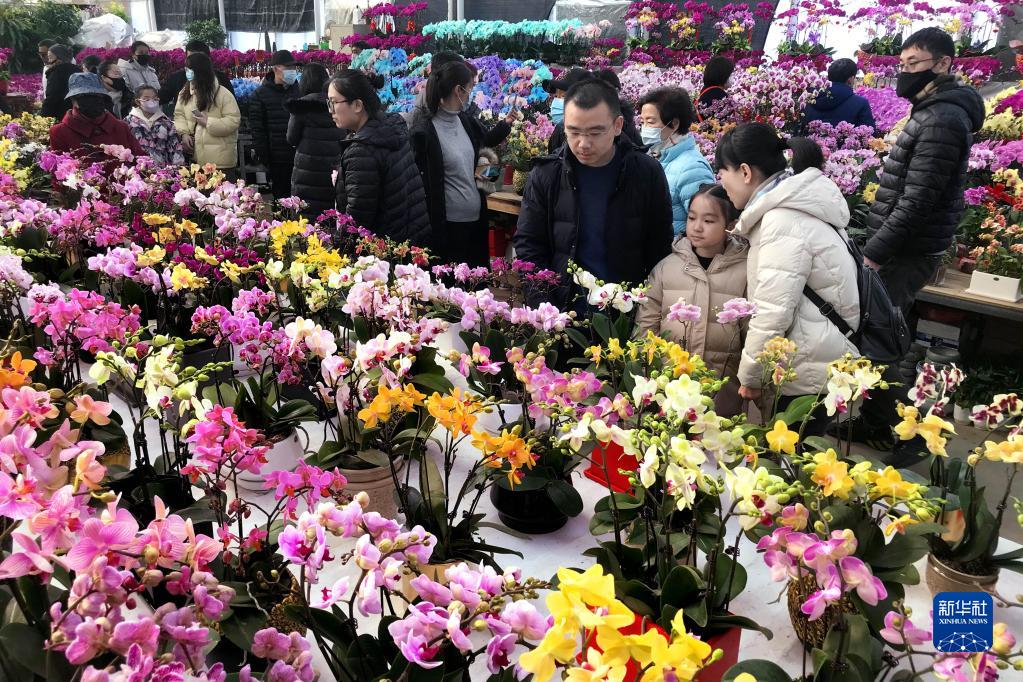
point(528, 507)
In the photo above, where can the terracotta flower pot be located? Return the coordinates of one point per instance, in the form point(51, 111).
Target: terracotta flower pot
point(378, 484)
point(941, 577)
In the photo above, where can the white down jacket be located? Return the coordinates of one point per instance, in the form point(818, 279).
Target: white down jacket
point(796, 232)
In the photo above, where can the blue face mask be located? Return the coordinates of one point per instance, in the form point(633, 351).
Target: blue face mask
point(290, 76)
point(558, 110)
point(189, 74)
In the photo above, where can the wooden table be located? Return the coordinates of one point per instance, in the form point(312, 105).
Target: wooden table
point(952, 293)
point(504, 202)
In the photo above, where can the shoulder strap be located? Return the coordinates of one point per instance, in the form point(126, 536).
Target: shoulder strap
point(828, 311)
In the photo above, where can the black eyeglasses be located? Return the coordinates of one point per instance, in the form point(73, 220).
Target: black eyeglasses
point(331, 103)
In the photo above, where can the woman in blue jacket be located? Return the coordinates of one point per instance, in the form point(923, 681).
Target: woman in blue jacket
point(666, 115)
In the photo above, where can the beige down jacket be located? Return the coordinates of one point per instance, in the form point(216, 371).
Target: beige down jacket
point(680, 276)
point(796, 232)
point(217, 142)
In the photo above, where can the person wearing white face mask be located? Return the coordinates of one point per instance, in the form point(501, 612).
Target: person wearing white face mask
point(666, 115)
point(154, 129)
point(269, 121)
point(446, 141)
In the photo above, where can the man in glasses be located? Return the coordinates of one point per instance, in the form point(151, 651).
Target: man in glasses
point(599, 201)
point(919, 202)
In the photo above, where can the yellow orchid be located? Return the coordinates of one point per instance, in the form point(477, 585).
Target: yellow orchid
point(832, 475)
point(151, 257)
point(888, 484)
point(900, 524)
point(183, 278)
point(558, 645)
point(595, 669)
point(780, 439)
point(453, 411)
point(1009, 451)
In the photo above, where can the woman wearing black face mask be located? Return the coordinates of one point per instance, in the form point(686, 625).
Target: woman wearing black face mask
point(446, 142)
point(113, 80)
point(89, 124)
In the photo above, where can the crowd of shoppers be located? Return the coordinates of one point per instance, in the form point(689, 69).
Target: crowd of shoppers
point(626, 205)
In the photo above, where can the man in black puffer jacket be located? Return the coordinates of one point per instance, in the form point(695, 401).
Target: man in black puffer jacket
point(600, 201)
point(378, 182)
point(915, 214)
point(269, 121)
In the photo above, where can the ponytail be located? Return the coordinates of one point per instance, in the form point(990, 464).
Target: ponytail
point(443, 81)
point(759, 146)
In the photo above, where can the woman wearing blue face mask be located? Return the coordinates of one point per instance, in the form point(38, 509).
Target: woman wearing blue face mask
point(206, 116)
point(561, 85)
point(446, 141)
point(666, 115)
point(268, 118)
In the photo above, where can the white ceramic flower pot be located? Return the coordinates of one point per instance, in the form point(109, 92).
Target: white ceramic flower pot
point(283, 456)
point(450, 340)
point(995, 286)
point(961, 415)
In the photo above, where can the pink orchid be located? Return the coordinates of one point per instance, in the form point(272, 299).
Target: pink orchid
point(104, 537)
point(910, 634)
point(269, 643)
point(29, 561)
point(330, 596)
point(857, 575)
point(815, 605)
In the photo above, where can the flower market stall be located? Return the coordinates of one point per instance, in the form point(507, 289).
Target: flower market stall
point(236, 443)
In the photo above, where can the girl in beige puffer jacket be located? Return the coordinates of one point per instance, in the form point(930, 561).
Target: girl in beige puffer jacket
point(706, 268)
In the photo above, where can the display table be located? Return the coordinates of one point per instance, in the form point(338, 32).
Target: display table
point(952, 293)
point(504, 202)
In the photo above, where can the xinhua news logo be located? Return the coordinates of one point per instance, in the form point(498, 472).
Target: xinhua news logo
point(963, 622)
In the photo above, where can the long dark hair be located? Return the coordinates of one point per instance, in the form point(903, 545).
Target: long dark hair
point(314, 79)
point(759, 146)
point(443, 81)
point(354, 84)
point(204, 82)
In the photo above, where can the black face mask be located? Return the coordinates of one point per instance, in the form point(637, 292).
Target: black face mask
point(909, 85)
point(142, 59)
point(117, 83)
point(91, 107)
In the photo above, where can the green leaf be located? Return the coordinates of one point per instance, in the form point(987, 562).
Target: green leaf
point(565, 497)
point(25, 645)
point(723, 622)
point(798, 410)
point(432, 486)
point(374, 457)
point(242, 626)
point(683, 586)
point(602, 325)
point(577, 337)
point(818, 443)
point(431, 383)
point(763, 671)
point(725, 589)
point(907, 575)
point(820, 660)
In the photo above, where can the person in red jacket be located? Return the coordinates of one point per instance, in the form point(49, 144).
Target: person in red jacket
point(89, 124)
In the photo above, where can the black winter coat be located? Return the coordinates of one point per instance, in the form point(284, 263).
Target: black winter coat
point(628, 129)
point(268, 120)
point(639, 227)
point(378, 183)
point(172, 87)
point(839, 104)
point(430, 156)
point(317, 143)
point(55, 102)
point(920, 197)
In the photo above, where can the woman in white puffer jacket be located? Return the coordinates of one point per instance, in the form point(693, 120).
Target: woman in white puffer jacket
point(795, 222)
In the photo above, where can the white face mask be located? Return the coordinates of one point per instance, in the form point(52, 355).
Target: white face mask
point(650, 135)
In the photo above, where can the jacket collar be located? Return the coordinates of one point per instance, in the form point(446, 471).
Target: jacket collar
point(624, 147)
point(87, 127)
point(685, 145)
point(939, 84)
point(147, 121)
point(735, 249)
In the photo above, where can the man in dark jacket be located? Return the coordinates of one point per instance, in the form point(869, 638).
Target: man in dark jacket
point(89, 124)
point(269, 121)
point(378, 182)
point(840, 103)
point(171, 87)
point(560, 86)
point(600, 201)
point(55, 99)
point(915, 214)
